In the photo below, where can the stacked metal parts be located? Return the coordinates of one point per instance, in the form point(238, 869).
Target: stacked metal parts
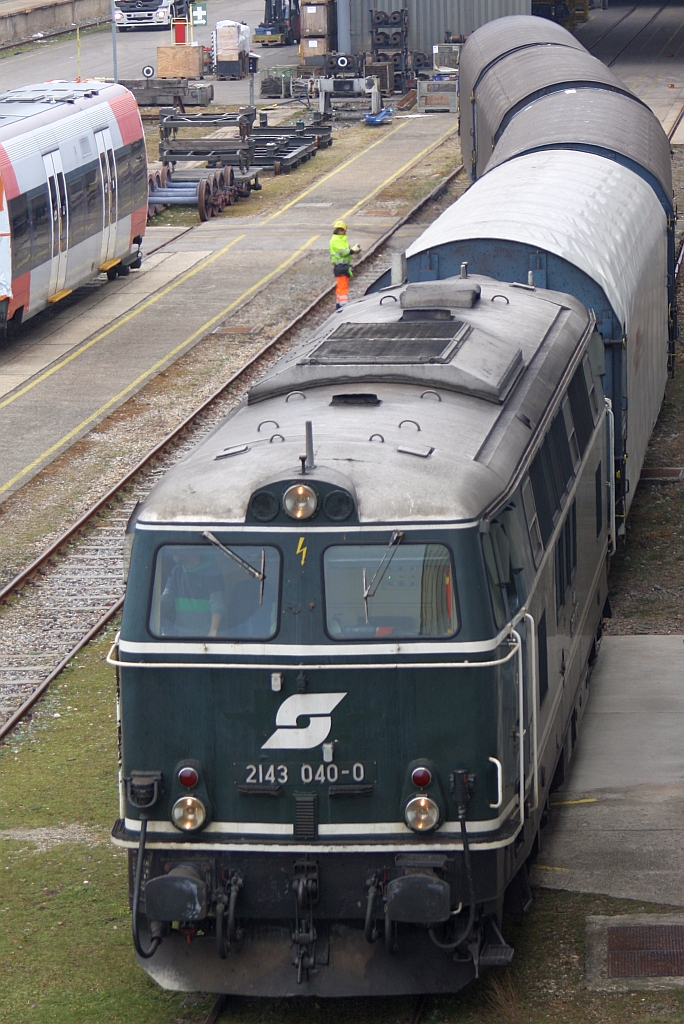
point(572, 192)
point(389, 47)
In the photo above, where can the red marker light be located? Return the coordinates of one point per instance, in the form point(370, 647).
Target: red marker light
point(421, 777)
point(188, 777)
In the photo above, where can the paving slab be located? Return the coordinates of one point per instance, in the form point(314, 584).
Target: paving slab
point(617, 824)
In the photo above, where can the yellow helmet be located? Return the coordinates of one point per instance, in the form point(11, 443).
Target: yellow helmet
point(340, 225)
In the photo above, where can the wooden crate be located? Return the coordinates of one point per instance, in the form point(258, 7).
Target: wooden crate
point(315, 20)
point(181, 61)
point(314, 49)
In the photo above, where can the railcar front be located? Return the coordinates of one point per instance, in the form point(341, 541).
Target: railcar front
point(73, 167)
point(332, 761)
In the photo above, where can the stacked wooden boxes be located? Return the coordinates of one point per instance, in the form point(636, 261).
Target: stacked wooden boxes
point(231, 49)
point(318, 32)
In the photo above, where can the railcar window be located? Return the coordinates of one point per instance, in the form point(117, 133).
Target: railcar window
point(21, 235)
point(138, 174)
point(93, 193)
point(41, 226)
point(123, 177)
point(199, 592)
point(415, 597)
point(77, 208)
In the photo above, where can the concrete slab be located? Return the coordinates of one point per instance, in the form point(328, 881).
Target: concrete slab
point(617, 825)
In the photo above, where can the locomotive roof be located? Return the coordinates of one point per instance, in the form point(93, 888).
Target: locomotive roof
point(33, 100)
point(439, 435)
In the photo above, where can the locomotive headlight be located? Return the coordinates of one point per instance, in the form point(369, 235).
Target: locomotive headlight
point(188, 813)
point(421, 814)
point(300, 501)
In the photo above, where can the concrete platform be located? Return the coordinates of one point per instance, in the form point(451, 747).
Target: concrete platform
point(617, 825)
point(79, 365)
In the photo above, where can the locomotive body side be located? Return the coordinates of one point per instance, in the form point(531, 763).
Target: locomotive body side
point(74, 172)
point(420, 646)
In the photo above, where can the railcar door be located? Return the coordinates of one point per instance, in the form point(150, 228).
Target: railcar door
point(110, 194)
point(59, 220)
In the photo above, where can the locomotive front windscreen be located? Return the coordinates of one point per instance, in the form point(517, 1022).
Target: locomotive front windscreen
point(406, 590)
point(203, 591)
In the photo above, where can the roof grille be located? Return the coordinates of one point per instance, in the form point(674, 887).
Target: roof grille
point(384, 344)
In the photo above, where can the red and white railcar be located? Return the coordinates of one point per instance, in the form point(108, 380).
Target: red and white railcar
point(73, 190)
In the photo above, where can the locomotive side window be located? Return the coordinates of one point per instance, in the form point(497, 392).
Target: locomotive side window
point(374, 592)
point(200, 591)
point(532, 522)
point(504, 555)
point(566, 556)
point(581, 409)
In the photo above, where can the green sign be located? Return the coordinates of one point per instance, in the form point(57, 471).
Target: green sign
point(199, 14)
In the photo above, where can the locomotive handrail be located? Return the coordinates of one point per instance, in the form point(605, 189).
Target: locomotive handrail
point(612, 546)
point(535, 703)
point(521, 728)
point(279, 667)
point(499, 783)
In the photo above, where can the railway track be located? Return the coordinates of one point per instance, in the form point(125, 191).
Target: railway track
point(59, 602)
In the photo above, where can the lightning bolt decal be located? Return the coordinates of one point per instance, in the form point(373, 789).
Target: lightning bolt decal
point(301, 550)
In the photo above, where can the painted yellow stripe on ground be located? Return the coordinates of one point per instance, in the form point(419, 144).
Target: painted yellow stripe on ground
point(119, 323)
point(548, 867)
point(569, 803)
point(331, 174)
point(397, 174)
point(157, 366)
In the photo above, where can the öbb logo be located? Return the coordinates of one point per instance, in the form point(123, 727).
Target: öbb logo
point(317, 707)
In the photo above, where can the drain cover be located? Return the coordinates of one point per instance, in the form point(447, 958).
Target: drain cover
point(635, 952)
point(646, 951)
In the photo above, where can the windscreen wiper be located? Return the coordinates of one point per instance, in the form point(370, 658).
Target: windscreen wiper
point(368, 589)
point(254, 573)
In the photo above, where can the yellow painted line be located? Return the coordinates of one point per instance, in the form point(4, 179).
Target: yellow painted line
point(119, 323)
point(331, 174)
point(402, 170)
point(158, 365)
point(570, 803)
point(549, 867)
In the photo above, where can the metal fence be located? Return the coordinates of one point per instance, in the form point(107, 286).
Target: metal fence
point(430, 20)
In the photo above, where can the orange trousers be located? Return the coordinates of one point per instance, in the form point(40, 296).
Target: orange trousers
point(341, 289)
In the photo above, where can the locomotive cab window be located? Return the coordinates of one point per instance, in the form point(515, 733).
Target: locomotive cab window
point(377, 591)
point(201, 591)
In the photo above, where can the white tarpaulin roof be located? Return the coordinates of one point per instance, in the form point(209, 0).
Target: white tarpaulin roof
point(596, 214)
point(603, 219)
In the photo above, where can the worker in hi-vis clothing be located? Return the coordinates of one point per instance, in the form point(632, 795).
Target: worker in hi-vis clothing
point(341, 253)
